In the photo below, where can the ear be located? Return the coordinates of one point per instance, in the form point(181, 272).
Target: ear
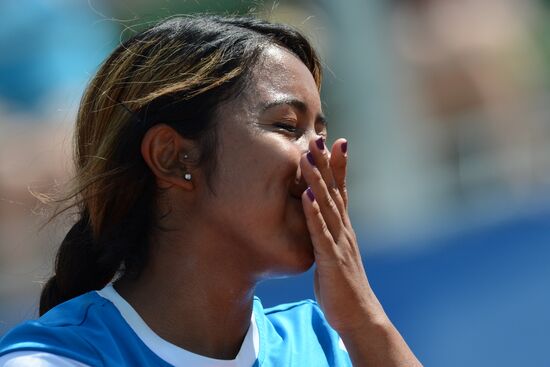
point(163, 149)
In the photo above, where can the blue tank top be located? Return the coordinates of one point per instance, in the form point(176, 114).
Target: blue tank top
point(91, 330)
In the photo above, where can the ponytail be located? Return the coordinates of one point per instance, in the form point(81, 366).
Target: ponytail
point(77, 267)
point(85, 262)
point(177, 72)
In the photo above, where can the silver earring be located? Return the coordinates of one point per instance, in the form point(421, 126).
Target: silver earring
point(187, 175)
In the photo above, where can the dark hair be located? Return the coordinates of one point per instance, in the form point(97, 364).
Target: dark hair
point(177, 72)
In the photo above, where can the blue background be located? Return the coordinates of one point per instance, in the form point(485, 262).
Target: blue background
point(475, 298)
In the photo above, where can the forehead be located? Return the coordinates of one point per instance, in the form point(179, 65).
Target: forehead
point(281, 74)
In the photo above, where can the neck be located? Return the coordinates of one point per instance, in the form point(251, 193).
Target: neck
point(196, 300)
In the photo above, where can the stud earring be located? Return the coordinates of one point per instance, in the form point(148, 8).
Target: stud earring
point(187, 175)
point(183, 157)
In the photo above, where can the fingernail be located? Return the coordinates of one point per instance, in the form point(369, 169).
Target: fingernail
point(320, 143)
point(310, 158)
point(344, 147)
point(310, 194)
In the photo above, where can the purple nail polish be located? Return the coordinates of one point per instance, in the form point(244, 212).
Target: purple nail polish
point(309, 157)
point(320, 143)
point(310, 194)
point(344, 147)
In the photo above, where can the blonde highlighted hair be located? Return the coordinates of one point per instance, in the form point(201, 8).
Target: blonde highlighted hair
point(177, 72)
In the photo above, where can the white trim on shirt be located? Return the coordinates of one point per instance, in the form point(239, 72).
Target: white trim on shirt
point(29, 358)
point(172, 353)
point(167, 351)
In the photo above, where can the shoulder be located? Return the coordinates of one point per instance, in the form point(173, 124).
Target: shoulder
point(300, 306)
point(65, 330)
point(76, 311)
point(37, 359)
point(300, 332)
point(306, 310)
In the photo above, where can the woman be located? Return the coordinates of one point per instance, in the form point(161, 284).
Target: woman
point(202, 170)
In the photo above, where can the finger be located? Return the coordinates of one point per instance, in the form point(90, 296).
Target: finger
point(338, 163)
point(322, 162)
point(317, 185)
point(322, 239)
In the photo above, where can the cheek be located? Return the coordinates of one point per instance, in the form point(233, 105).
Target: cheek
point(255, 209)
point(278, 174)
point(257, 186)
point(267, 168)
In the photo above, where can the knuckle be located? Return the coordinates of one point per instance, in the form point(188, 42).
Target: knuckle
point(313, 213)
point(332, 205)
point(324, 229)
point(337, 198)
point(317, 178)
point(334, 192)
point(344, 186)
point(344, 191)
point(316, 211)
point(327, 202)
point(351, 239)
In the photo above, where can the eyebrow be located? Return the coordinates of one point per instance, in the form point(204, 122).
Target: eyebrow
point(296, 103)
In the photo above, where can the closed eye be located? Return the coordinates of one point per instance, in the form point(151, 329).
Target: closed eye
point(287, 127)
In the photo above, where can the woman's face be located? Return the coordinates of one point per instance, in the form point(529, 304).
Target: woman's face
point(256, 206)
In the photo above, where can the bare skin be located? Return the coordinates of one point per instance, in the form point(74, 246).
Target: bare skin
point(257, 223)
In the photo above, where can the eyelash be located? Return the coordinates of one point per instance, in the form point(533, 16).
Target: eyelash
point(287, 127)
point(291, 129)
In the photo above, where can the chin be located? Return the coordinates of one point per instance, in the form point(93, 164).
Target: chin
point(291, 250)
point(305, 264)
point(297, 258)
point(302, 263)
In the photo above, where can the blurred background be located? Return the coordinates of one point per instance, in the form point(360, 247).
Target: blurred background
point(446, 105)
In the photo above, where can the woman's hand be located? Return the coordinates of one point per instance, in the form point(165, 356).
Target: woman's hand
point(341, 286)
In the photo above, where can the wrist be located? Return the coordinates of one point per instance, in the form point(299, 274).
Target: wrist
point(371, 325)
point(371, 320)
